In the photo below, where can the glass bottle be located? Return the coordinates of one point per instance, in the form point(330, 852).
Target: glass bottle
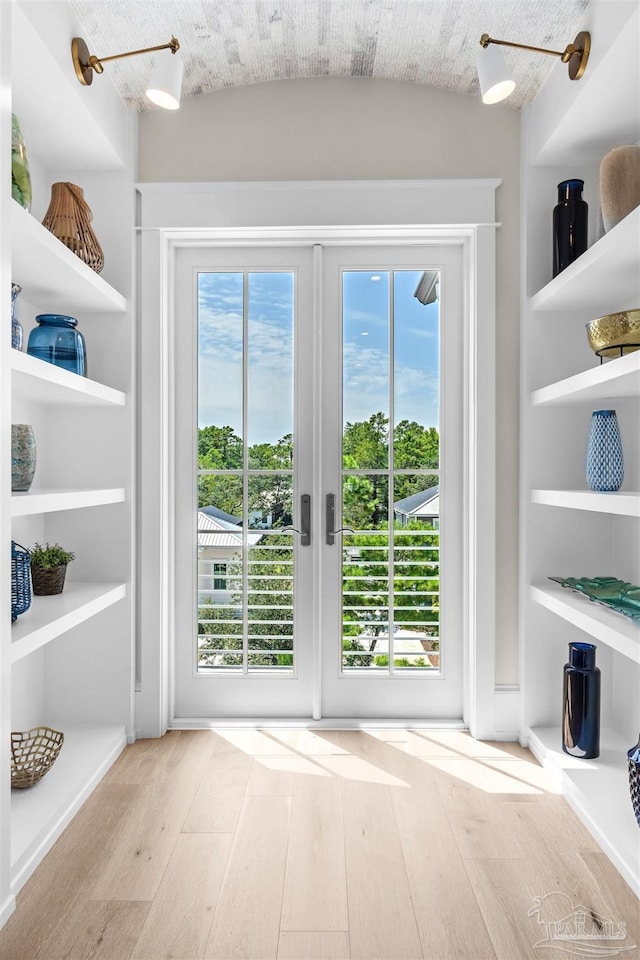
point(56, 340)
point(581, 703)
point(16, 326)
point(570, 221)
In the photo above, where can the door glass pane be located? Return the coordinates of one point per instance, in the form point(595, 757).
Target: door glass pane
point(365, 391)
point(245, 598)
point(390, 576)
point(270, 370)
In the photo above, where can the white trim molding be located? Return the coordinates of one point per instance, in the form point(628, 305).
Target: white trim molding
point(460, 212)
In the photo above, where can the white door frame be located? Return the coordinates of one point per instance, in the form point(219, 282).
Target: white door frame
point(462, 212)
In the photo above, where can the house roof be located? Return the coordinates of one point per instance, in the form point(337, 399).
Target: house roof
point(219, 514)
point(417, 501)
point(215, 532)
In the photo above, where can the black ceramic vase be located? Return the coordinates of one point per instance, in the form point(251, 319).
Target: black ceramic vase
point(581, 703)
point(570, 221)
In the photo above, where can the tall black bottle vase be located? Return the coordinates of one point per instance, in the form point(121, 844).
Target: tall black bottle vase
point(570, 224)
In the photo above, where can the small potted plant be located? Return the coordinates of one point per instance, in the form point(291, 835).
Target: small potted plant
point(48, 568)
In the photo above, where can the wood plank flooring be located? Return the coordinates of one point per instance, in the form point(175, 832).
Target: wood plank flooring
point(300, 845)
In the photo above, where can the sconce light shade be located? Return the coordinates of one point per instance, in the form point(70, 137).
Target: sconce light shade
point(165, 82)
point(496, 82)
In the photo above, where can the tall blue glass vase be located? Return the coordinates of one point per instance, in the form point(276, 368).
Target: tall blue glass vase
point(581, 703)
point(605, 463)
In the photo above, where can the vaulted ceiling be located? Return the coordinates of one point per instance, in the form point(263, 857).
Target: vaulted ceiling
point(228, 43)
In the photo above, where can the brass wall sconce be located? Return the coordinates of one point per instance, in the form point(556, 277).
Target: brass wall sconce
point(496, 82)
point(164, 84)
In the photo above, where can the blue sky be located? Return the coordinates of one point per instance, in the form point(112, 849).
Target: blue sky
point(270, 350)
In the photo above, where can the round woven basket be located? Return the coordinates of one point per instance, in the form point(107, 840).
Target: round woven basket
point(48, 582)
point(33, 753)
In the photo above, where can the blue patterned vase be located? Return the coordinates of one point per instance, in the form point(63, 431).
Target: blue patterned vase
point(605, 464)
point(16, 326)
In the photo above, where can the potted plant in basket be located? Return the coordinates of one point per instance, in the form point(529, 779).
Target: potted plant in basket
point(48, 568)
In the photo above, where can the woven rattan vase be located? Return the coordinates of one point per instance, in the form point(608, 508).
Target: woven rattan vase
point(48, 582)
point(69, 219)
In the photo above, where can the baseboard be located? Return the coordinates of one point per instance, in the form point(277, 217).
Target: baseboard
point(7, 909)
point(333, 723)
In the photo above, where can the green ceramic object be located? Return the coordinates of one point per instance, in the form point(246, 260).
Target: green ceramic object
point(616, 594)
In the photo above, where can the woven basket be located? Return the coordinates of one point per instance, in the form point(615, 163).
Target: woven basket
point(46, 583)
point(20, 580)
point(69, 219)
point(33, 753)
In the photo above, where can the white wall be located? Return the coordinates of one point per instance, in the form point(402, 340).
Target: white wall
point(330, 128)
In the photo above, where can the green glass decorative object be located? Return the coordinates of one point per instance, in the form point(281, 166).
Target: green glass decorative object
point(616, 594)
point(20, 176)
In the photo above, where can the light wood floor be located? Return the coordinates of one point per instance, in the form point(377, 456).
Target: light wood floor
point(318, 846)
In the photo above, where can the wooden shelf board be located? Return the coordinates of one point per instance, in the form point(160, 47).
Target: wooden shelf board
point(40, 813)
point(49, 617)
point(36, 380)
point(622, 503)
point(50, 501)
point(614, 380)
point(52, 276)
point(613, 629)
point(598, 790)
point(604, 279)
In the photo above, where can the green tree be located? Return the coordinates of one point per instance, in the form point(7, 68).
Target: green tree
point(219, 448)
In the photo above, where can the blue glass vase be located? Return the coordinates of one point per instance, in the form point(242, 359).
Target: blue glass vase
point(581, 703)
point(570, 221)
point(605, 463)
point(56, 340)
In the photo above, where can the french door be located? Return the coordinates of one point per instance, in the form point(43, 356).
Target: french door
point(318, 504)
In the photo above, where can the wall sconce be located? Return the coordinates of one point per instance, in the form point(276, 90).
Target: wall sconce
point(496, 82)
point(165, 81)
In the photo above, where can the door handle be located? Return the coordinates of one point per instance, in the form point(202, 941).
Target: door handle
point(330, 521)
point(304, 532)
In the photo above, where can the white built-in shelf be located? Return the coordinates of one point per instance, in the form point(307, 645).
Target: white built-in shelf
point(58, 115)
point(49, 617)
point(622, 503)
point(599, 791)
point(601, 281)
point(40, 813)
point(613, 380)
point(51, 501)
point(36, 380)
point(613, 629)
point(600, 120)
point(51, 276)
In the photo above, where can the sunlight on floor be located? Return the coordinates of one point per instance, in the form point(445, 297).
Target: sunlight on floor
point(493, 768)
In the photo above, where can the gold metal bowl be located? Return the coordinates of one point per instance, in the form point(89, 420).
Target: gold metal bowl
point(615, 334)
